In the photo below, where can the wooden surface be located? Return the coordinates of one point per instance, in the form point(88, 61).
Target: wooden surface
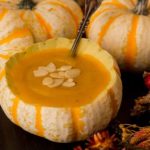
point(14, 138)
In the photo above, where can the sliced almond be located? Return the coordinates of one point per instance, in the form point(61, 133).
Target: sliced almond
point(47, 81)
point(64, 68)
point(68, 84)
point(51, 67)
point(70, 80)
point(62, 74)
point(40, 72)
point(73, 73)
point(56, 83)
point(57, 75)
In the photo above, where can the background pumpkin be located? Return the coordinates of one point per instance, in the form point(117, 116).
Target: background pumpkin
point(19, 28)
point(49, 18)
point(58, 124)
point(80, 2)
point(122, 28)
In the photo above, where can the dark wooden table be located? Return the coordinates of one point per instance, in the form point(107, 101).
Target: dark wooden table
point(14, 138)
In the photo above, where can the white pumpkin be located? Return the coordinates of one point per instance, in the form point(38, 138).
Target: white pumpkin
point(64, 124)
point(20, 28)
point(81, 2)
point(47, 19)
point(122, 28)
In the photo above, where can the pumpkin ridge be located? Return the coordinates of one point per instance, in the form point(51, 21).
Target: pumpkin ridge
point(4, 56)
point(115, 3)
point(113, 102)
point(68, 10)
point(17, 33)
point(94, 16)
point(43, 23)
point(131, 46)
point(3, 13)
point(2, 74)
point(77, 123)
point(106, 27)
point(38, 121)
point(14, 109)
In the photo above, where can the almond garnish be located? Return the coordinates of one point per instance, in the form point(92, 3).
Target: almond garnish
point(73, 73)
point(40, 72)
point(57, 75)
point(70, 80)
point(63, 76)
point(68, 84)
point(64, 68)
point(56, 83)
point(51, 67)
point(47, 81)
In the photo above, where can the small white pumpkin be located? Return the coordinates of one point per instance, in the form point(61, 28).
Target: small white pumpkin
point(45, 19)
point(64, 124)
point(122, 28)
point(20, 28)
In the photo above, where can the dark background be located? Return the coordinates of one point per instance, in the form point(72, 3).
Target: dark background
point(14, 138)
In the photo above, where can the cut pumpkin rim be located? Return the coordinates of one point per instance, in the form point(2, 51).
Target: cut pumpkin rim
point(93, 49)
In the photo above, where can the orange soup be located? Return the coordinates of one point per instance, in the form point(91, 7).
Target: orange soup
point(93, 79)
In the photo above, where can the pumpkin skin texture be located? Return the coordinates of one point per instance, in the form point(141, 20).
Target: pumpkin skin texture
point(49, 18)
point(123, 33)
point(15, 38)
point(57, 123)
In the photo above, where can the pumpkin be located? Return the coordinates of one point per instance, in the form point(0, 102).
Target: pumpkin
point(18, 1)
point(80, 2)
point(46, 19)
point(122, 28)
point(20, 28)
point(70, 113)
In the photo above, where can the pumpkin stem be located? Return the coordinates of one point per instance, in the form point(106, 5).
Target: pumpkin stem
point(26, 4)
point(141, 7)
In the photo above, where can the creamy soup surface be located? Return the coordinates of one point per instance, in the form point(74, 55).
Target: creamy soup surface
point(93, 79)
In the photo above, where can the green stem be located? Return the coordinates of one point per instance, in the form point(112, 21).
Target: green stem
point(141, 7)
point(26, 4)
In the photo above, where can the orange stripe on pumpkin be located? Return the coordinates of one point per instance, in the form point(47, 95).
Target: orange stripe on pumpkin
point(131, 47)
point(106, 27)
point(3, 12)
point(44, 24)
point(17, 33)
point(14, 109)
point(115, 3)
point(133, 2)
point(22, 14)
point(77, 122)
point(38, 121)
point(94, 16)
point(2, 74)
point(4, 56)
point(68, 10)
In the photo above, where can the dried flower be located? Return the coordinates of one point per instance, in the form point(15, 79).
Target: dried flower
point(100, 141)
point(78, 148)
point(146, 77)
point(134, 136)
point(142, 104)
point(141, 110)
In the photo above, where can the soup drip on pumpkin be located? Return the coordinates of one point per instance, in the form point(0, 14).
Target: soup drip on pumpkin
point(32, 87)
